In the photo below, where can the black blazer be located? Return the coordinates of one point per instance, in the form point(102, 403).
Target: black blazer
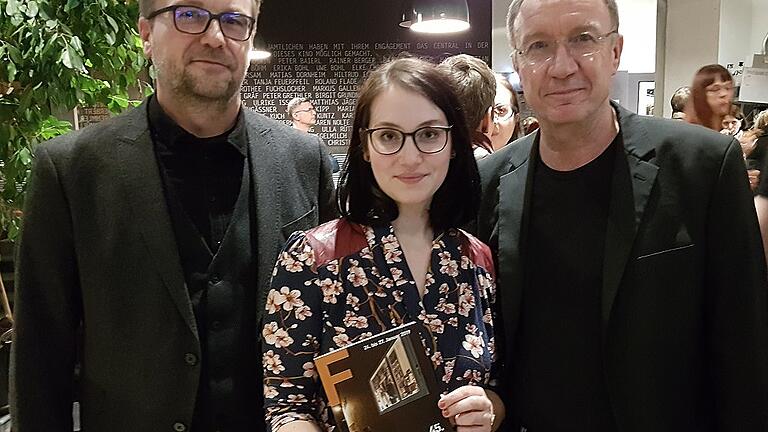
point(684, 307)
point(98, 263)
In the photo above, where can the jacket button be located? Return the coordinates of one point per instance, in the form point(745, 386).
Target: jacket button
point(191, 360)
point(179, 427)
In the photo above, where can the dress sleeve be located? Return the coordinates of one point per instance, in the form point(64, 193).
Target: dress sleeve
point(290, 337)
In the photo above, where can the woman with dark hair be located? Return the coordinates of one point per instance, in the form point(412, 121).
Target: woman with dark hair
point(734, 123)
point(506, 114)
point(711, 97)
point(395, 256)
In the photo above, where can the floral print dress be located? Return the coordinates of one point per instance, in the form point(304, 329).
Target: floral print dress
point(313, 309)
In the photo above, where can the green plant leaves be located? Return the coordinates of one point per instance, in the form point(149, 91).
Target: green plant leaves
point(112, 22)
point(11, 68)
point(32, 9)
point(55, 55)
point(12, 7)
point(15, 54)
point(71, 4)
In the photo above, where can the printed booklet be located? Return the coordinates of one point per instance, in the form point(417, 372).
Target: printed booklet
point(384, 383)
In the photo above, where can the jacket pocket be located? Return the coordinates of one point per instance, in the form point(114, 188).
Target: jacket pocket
point(304, 222)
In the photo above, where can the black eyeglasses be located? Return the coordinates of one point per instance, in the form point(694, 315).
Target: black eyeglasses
point(195, 20)
point(388, 141)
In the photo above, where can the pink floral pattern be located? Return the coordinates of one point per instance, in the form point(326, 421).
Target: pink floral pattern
point(314, 309)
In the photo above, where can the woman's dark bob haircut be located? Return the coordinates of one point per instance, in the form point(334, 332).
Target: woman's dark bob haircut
point(359, 197)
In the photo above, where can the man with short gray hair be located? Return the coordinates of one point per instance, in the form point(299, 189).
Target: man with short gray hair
point(302, 113)
point(679, 101)
point(630, 272)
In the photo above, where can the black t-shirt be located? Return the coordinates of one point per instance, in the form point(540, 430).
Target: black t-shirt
point(557, 368)
point(205, 174)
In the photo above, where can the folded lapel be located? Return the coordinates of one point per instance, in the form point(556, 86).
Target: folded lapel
point(267, 188)
point(632, 184)
point(138, 171)
point(514, 197)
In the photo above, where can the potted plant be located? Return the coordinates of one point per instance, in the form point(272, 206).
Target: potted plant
point(56, 55)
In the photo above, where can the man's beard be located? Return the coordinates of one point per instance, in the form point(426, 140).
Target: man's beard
point(193, 87)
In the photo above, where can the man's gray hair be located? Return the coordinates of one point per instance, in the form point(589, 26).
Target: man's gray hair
point(293, 105)
point(514, 11)
point(680, 99)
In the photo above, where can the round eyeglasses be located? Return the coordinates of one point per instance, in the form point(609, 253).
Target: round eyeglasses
point(195, 20)
point(581, 45)
point(503, 112)
point(388, 141)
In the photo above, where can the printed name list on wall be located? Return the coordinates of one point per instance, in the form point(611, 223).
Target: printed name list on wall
point(322, 50)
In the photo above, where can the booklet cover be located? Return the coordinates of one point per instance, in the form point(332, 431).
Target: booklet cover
point(383, 383)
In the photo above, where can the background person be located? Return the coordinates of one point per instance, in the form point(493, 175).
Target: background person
point(711, 97)
point(757, 148)
point(476, 87)
point(679, 101)
point(506, 114)
point(754, 144)
point(734, 123)
point(395, 256)
point(302, 113)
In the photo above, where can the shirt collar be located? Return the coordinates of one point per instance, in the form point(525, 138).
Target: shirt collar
point(165, 129)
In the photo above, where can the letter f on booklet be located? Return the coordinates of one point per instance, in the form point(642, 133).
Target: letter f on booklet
point(383, 383)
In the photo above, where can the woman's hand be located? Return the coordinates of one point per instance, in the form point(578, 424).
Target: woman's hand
point(469, 408)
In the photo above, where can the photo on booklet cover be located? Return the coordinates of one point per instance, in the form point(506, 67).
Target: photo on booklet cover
point(398, 380)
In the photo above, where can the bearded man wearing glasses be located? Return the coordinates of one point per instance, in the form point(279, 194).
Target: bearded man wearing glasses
point(631, 280)
point(149, 240)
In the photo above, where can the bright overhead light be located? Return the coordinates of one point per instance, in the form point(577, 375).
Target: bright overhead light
point(440, 26)
point(435, 16)
point(260, 50)
point(256, 55)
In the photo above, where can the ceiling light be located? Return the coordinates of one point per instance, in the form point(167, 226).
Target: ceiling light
point(436, 16)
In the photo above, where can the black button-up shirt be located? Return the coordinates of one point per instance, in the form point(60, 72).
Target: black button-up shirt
point(204, 174)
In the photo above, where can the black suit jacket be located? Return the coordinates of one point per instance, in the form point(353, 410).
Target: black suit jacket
point(684, 284)
point(98, 266)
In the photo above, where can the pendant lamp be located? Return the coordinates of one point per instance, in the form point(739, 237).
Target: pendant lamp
point(260, 50)
point(436, 16)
